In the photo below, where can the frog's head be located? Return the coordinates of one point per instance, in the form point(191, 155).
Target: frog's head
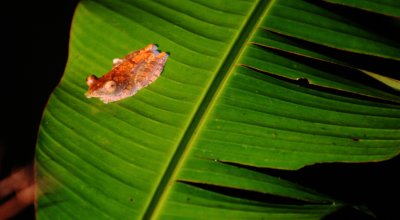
point(105, 89)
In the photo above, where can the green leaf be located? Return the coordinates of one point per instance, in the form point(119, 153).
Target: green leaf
point(393, 83)
point(314, 72)
point(188, 145)
point(314, 22)
point(203, 204)
point(386, 7)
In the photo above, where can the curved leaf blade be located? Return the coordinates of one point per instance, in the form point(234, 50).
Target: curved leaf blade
point(386, 7)
point(198, 171)
point(202, 204)
point(313, 72)
point(393, 83)
point(142, 156)
point(289, 118)
point(315, 23)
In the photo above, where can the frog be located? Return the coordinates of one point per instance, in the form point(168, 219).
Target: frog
point(128, 75)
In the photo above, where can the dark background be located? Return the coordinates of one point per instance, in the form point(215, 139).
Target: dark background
point(34, 39)
point(34, 42)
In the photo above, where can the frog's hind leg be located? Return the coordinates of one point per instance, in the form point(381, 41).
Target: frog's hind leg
point(151, 70)
point(160, 61)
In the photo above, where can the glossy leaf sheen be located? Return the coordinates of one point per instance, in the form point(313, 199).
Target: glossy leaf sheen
point(228, 100)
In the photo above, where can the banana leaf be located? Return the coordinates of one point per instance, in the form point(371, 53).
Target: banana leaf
point(248, 84)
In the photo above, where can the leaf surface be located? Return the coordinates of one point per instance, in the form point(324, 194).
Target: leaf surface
point(386, 7)
point(227, 102)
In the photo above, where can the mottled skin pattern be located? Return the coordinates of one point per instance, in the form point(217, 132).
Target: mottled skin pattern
point(128, 75)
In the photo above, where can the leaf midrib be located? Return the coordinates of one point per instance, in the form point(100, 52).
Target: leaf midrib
point(198, 118)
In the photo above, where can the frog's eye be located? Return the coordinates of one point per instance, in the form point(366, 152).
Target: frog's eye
point(91, 80)
point(110, 86)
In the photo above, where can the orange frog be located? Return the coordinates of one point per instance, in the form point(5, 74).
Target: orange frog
point(128, 75)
